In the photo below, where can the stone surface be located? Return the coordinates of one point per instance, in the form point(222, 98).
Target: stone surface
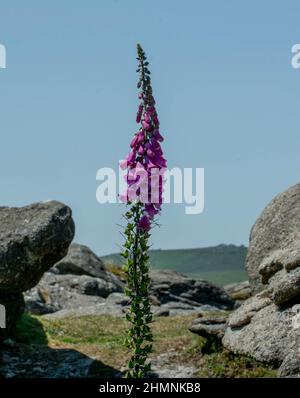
point(269, 336)
point(163, 368)
point(171, 294)
point(210, 325)
point(285, 286)
point(115, 304)
point(162, 312)
point(18, 360)
point(80, 260)
point(243, 315)
point(290, 367)
point(239, 291)
point(32, 239)
point(169, 285)
point(267, 325)
point(100, 308)
point(49, 300)
point(70, 292)
point(275, 238)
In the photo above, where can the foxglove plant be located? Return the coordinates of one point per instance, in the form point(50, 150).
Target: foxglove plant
point(145, 166)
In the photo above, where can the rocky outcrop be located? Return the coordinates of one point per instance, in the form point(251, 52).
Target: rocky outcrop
point(80, 260)
point(290, 367)
point(171, 286)
point(275, 239)
point(94, 290)
point(264, 332)
point(267, 325)
point(211, 325)
point(78, 281)
point(32, 239)
point(239, 291)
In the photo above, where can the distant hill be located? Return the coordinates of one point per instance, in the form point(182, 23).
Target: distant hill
point(221, 264)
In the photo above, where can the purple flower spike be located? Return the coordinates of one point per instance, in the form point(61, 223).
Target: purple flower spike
point(146, 154)
point(144, 223)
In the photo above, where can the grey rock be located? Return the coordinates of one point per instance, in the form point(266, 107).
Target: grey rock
point(154, 300)
point(84, 284)
point(210, 325)
point(275, 239)
point(243, 315)
point(58, 292)
point(100, 308)
point(51, 299)
point(290, 367)
point(169, 285)
point(163, 368)
point(269, 336)
point(32, 239)
point(267, 325)
point(79, 280)
point(118, 299)
point(180, 308)
point(285, 286)
point(80, 260)
point(239, 291)
point(270, 266)
point(162, 312)
point(171, 293)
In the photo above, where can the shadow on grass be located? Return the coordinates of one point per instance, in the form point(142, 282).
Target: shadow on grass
point(33, 358)
point(31, 331)
point(211, 346)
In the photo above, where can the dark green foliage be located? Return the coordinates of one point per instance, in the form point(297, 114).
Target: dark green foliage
point(139, 335)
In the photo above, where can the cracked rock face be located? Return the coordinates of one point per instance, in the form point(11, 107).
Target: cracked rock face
point(32, 239)
point(80, 280)
point(58, 292)
point(267, 325)
point(269, 334)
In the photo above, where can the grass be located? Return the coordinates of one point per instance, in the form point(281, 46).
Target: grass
point(221, 278)
point(226, 364)
point(30, 330)
point(101, 337)
point(221, 363)
point(221, 264)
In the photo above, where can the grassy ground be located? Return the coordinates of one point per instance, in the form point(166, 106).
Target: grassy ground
point(101, 337)
point(221, 278)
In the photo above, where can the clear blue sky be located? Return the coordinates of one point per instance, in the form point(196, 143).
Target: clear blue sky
point(227, 97)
